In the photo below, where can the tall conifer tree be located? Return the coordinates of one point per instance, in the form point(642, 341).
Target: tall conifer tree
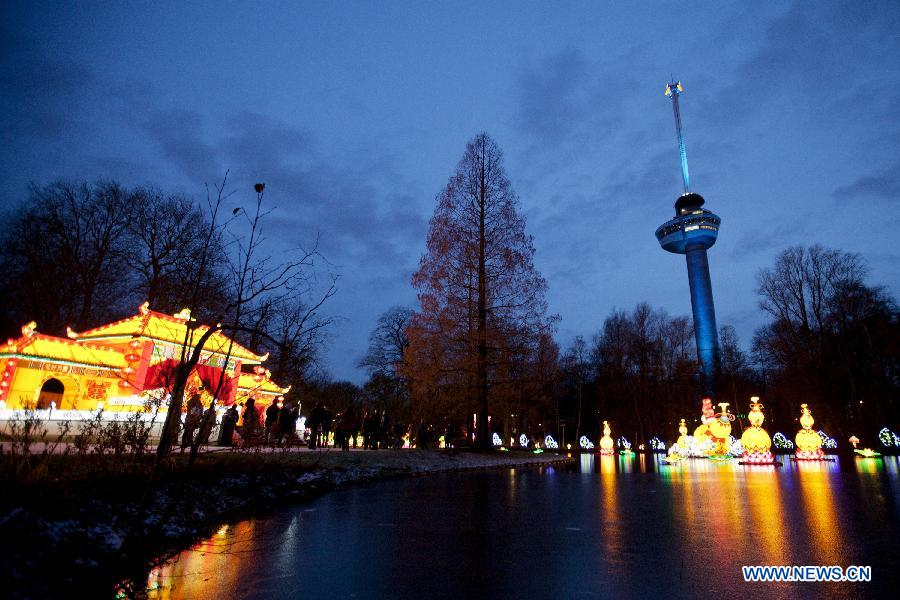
point(482, 300)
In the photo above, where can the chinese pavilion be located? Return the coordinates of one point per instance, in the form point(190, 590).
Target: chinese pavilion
point(118, 366)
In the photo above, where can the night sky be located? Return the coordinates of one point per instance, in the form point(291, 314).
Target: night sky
point(355, 115)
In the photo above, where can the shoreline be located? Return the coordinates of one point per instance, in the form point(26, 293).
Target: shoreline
point(80, 549)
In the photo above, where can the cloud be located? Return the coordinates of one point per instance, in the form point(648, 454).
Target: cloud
point(553, 95)
point(807, 61)
point(39, 94)
point(179, 134)
point(881, 184)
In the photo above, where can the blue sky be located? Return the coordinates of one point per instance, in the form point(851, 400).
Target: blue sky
point(355, 115)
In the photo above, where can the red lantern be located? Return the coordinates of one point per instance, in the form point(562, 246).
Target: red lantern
point(135, 344)
point(132, 357)
point(124, 384)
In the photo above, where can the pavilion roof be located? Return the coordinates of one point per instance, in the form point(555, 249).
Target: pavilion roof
point(248, 385)
point(37, 346)
point(171, 329)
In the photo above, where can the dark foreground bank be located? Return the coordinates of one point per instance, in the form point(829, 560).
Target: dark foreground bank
point(64, 522)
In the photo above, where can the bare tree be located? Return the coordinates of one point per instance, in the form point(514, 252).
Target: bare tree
point(827, 341)
point(644, 365)
point(577, 365)
point(64, 251)
point(296, 333)
point(254, 277)
point(733, 365)
point(170, 235)
point(388, 342)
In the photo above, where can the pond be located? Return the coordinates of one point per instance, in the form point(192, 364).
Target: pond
point(609, 526)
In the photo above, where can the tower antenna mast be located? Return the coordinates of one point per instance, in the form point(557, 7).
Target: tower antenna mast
point(673, 90)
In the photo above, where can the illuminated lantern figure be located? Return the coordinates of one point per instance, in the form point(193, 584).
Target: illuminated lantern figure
point(756, 442)
point(684, 442)
point(808, 442)
point(606, 442)
point(720, 429)
point(702, 435)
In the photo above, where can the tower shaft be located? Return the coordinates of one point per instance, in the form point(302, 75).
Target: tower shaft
point(704, 311)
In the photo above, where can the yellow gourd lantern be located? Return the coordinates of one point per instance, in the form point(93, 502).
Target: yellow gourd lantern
point(606, 442)
point(720, 430)
point(684, 442)
point(808, 442)
point(756, 441)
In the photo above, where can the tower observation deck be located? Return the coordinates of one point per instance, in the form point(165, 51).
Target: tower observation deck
point(691, 232)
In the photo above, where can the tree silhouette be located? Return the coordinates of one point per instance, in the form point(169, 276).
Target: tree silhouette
point(482, 300)
point(832, 338)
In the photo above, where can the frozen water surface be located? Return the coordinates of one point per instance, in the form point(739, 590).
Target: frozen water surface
point(607, 527)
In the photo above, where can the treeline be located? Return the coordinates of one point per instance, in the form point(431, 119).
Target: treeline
point(480, 343)
point(831, 343)
point(83, 254)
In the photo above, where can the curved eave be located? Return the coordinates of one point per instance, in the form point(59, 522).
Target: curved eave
point(61, 361)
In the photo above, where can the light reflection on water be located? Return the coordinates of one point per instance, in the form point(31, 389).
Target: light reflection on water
point(609, 526)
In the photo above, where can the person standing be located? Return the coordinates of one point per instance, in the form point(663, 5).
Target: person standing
point(191, 420)
point(327, 422)
point(226, 429)
point(271, 418)
point(251, 422)
point(287, 423)
point(315, 421)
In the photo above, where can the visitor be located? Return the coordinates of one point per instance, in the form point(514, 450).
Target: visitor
point(345, 429)
point(384, 431)
point(271, 418)
point(206, 426)
point(315, 420)
point(327, 420)
point(250, 430)
point(191, 420)
point(422, 435)
point(287, 424)
point(226, 428)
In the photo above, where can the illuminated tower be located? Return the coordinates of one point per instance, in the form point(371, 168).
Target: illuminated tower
point(691, 232)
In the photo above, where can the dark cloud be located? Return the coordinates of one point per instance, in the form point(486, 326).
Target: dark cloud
point(553, 95)
point(40, 94)
point(884, 184)
point(806, 63)
point(179, 134)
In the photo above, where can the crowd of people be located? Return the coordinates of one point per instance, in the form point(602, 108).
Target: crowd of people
point(276, 425)
point(369, 429)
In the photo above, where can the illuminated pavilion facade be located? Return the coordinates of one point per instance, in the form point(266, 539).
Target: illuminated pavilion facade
point(119, 366)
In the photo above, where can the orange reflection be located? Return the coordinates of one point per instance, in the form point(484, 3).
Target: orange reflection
point(212, 564)
point(820, 514)
point(725, 502)
point(766, 512)
point(612, 528)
